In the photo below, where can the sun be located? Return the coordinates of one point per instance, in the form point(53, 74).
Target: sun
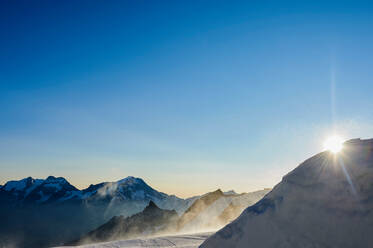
point(333, 144)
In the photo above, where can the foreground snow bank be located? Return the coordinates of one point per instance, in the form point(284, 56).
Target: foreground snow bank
point(179, 241)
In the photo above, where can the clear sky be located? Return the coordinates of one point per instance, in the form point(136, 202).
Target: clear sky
point(189, 95)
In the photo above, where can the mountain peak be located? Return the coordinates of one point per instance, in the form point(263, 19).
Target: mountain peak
point(52, 179)
point(152, 220)
point(17, 185)
point(216, 192)
point(230, 192)
point(151, 205)
point(128, 180)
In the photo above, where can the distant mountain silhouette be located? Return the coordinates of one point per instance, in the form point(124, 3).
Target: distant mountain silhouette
point(148, 222)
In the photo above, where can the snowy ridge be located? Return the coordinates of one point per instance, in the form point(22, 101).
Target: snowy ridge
point(208, 214)
point(230, 192)
point(15, 185)
point(30, 190)
point(58, 189)
point(327, 201)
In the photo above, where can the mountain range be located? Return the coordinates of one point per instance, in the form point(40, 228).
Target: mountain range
point(58, 190)
point(51, 211)
point(325, 202)
point(208, 212)
point(43, 212)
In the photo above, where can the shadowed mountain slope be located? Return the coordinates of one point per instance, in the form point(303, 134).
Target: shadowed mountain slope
point(148, 222)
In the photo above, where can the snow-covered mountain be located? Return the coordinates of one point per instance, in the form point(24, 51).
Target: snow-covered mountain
point(29, 190)
point(41, 212)
point(131, 189)
point(152, 220)
point(216, 209)
point(327, 201)
point(208, 212)
point(54, 190)
point(230, 192)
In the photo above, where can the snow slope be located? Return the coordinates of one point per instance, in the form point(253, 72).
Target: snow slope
point(179, 241)
point(327, 201)
point(213, 210)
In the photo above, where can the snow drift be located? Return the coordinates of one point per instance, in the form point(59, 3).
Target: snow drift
point(177, 241)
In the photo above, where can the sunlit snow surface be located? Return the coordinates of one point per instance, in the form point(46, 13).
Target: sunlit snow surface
point(179, 241)
point(326, 202)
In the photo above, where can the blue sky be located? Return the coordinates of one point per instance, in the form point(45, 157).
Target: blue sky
point(189, 95)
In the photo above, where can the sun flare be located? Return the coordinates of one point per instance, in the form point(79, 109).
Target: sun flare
point(333, 144)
